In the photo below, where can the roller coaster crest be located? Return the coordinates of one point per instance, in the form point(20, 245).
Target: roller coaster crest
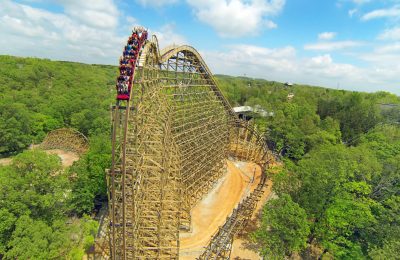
point(172, 132)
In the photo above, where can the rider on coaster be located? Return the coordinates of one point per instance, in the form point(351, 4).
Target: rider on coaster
point(128, 61)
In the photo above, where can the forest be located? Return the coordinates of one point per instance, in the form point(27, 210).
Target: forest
point(45, 211)
point(338, 193)
point(339, 190)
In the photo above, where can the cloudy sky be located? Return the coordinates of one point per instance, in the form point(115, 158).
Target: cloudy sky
point(346, 44)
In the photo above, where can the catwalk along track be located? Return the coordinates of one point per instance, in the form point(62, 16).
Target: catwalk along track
point(172, 132)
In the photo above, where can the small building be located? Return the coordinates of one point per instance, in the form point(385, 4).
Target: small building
point(243, 109)
point(244, 112)
point(248, 112)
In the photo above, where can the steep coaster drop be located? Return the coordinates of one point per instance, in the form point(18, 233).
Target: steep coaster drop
point(172, 132)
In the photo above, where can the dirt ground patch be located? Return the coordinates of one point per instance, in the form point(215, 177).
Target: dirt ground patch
point(5, 161)
point(211, 212)
point(67, 158)
point(242, 247)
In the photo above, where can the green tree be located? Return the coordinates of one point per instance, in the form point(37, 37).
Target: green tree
point(37, 96)
point(36, 239)
point(14, 127)
point(284, 228)
point(31, 239)
point(90, 183)
point(349, 214)
point(7, 223)
point(41, 125)
point(390, 250)
point(356, 112)
point(333, 184)
point(35, 182)
point(387, 228)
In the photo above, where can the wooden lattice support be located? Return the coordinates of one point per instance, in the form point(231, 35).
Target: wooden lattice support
point(220, 245)
point(67, 139)
point(170, 143)
point(245, 144)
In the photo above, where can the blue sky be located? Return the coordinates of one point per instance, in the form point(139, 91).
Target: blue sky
point(347, 44)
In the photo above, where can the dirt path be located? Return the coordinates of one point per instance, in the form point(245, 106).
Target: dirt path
point(67, 158)
point(5, 161)
point(212, 211)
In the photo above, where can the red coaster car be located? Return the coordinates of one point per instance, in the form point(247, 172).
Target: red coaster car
point(129, 57)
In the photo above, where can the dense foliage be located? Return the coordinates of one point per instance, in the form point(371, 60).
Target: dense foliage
point(89, 186)
point(34, 203)
point(341, 152)
point(287, 227)
point(42, 206)
point(37, 96)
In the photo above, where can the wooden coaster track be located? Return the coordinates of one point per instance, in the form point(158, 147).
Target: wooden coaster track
point(171, 138)
point(67, 139)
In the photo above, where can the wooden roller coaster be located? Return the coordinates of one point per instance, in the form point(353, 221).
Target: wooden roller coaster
point(67, 139)
point(172, 132)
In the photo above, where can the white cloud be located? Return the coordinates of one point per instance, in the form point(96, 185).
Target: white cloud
point(332, 46)
point(352, 12)
point(379, 72)
point(277, 63)
point(167, 35)
point(389, 49)
point(390, 34)
point(37, 32)
point(278, 58)
point(319, 60)
point(102, 14)
point(156, 3)
point(324, 66)
point(28, 31)
point(384, 66)
point(382, 13)
point(18, 26)
point(131, 20)
point(283, 64)
point(326, 35)
point(271, 25)
point(236, 18)
point(280, 64)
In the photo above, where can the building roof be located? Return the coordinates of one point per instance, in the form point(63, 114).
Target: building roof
point(257, 109)
point(242, 109)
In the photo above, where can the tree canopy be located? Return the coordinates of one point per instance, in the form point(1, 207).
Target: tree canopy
point(38, 96)
point(341, 169)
